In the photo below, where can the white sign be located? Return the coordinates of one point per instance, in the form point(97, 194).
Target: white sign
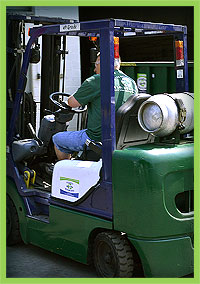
point(142, 82)
point(70, 27)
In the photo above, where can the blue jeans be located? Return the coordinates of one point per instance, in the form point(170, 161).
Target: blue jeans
point(70, 141)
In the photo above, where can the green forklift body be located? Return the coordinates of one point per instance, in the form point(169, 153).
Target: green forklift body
point(170, 257)
point(147, 180)
point(65, 232)
point(150, 184)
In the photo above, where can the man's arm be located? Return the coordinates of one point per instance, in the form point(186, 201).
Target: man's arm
point(72, 102)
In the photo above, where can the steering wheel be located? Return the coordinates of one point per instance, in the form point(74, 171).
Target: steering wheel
point(64, 105)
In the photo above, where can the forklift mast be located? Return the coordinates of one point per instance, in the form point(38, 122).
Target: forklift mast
point(50, 67)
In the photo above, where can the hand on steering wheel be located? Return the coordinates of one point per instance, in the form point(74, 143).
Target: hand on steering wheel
point(64, 105)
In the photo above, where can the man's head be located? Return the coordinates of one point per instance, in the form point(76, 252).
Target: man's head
point(117, 62)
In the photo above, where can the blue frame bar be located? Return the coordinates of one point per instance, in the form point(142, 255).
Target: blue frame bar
point(148, 26)
point(20, 90)
point(107, 100)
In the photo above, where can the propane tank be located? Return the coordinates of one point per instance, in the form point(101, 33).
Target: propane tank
point(161, 114)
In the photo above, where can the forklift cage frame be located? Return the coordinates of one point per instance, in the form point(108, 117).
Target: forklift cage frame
point(106, 30)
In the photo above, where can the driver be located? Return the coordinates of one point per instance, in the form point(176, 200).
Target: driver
point(89, 93)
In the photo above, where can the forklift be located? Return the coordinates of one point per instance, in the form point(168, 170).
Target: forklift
point(125, 204)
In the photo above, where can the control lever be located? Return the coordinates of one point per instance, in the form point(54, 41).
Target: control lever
point(32, 131)
point(47, 111)
point(94, 147)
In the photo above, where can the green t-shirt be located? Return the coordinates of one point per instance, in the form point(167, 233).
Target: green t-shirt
point(89, 94)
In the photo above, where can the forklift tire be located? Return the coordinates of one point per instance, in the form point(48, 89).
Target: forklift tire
point(113, 255)
point(12, 223)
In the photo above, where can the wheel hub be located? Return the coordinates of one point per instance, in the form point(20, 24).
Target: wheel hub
point(107, 258)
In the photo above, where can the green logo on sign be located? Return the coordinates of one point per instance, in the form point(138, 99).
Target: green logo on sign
point(70, 179)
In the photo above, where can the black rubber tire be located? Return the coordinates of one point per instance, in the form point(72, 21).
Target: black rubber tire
point(12, 223)
point(112, 255)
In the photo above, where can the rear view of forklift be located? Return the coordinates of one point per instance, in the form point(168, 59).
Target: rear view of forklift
point(129, 206)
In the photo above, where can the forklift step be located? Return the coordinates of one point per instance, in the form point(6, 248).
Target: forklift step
point(42, 218)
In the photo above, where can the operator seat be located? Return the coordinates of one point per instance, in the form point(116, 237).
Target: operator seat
point(128, 130)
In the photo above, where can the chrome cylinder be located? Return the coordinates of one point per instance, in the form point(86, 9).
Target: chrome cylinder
point(160, 114)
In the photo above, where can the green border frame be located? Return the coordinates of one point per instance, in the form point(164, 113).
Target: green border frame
point(3, 4)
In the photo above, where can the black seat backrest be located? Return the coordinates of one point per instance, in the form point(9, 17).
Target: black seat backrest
point(128, 130)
